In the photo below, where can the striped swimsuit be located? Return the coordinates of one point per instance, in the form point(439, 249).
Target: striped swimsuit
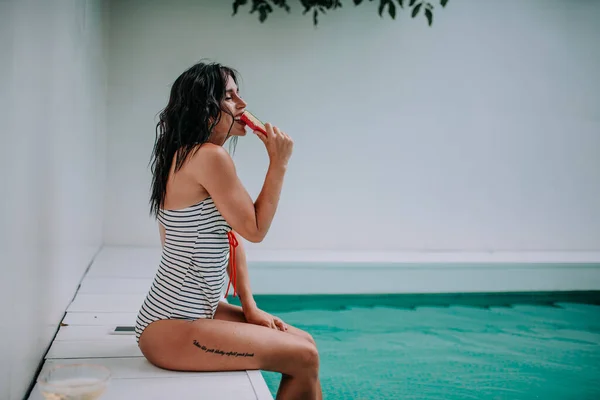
point(189, 281)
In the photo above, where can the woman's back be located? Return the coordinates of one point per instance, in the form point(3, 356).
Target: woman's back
point(193, 266)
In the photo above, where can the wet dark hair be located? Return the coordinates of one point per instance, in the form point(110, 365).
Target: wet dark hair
point(185, 123)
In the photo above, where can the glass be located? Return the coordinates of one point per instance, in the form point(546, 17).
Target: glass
point(74, 382)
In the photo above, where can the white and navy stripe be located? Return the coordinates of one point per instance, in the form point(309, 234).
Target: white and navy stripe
point(190, 278)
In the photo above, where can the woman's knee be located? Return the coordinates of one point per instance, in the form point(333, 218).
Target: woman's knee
point(311, 351)
point(303, 334)
point(313, 356)
point(310, 339)
point(307, 357)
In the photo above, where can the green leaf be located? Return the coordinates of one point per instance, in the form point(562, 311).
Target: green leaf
point(265, 7)
point(415, 10)
point(282, 4)
point(262, 14)
point(237, 5)
point(392, 10)
point(429, 16)
point(307, 5)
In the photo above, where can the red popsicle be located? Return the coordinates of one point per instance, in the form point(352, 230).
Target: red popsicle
point(253, 123)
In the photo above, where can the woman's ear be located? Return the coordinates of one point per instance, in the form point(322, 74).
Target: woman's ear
point(211, 119)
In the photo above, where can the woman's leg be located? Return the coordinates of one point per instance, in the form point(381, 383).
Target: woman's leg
point(218, 345)
point(231, 312)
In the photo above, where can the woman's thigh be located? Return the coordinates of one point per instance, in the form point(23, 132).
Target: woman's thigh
point(219, 345)
point(231, 312)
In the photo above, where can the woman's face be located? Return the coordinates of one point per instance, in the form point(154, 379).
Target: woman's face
point(232, 105)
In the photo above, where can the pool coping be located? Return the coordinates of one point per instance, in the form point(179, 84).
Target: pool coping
point(290, 302)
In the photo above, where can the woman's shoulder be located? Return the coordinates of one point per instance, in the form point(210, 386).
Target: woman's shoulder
point(210, 153)
point(210, 158)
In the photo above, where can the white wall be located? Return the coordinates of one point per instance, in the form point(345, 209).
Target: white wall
point(479, 133)
point(53, 145)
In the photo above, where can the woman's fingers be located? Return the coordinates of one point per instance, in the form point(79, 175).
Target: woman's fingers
point(261, 136)
point(280, 324)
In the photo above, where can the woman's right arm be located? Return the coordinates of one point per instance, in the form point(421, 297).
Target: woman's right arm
point(217, 174)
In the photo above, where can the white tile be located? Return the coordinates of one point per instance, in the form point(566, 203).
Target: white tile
point(74, 333)
point(121, 303)
point(181, 388)
point(139, 367)
point(108, 303)
point(100, 318)
point(137, 378)
point(418, 279)
point(94, 348)
point(260, 386)
point(112, 285)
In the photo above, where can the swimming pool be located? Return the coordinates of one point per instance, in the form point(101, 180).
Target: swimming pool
point(508, 346)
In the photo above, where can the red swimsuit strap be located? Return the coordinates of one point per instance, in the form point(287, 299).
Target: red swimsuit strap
point(233, 243)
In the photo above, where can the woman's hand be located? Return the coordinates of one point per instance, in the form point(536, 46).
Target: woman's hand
point(279, 145)
point(256, 316)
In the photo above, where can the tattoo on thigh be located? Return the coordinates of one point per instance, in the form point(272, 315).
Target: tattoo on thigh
point(221, 352)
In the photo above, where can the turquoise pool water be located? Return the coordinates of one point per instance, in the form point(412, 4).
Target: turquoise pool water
point(449, 347)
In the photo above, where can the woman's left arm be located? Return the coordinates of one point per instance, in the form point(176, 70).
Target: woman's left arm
point(242, 277)
point(252, 313)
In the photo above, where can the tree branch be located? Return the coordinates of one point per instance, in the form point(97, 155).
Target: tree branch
point(265, 7)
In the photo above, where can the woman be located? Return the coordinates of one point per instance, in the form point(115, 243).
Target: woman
point(202, 207)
